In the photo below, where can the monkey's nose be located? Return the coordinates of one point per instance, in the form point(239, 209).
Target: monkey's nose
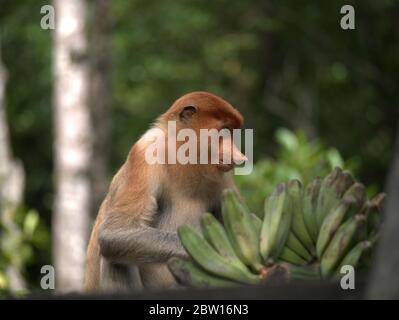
point(238, 157)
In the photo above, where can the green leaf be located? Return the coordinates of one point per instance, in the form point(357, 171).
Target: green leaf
point(30, 223)
point(287, 139)
point(3, 281)
point(334, 158)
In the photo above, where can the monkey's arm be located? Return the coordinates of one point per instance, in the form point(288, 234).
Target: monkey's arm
point(125, 235)
point(139, 244)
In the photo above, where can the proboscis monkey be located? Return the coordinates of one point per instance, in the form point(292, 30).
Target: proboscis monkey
point(135, 231)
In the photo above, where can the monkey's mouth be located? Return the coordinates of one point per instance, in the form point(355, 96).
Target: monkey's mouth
point(225, 166)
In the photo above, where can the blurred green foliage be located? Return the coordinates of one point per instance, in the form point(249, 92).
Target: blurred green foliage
point(296, 158)
point(22, 236)
point(281, 63)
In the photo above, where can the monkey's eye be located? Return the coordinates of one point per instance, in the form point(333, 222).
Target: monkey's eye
point(187, 113)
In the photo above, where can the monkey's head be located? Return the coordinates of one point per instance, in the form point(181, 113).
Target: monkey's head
point(202, 110)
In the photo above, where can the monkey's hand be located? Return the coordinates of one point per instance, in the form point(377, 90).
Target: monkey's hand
point(139, 244)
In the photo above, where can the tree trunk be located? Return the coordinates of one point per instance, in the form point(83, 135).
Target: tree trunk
point(100, 98)
point(385, 277)
point(73, 144)
point(12, 185)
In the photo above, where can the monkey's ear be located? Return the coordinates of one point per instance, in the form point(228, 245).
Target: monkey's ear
point(187, 112)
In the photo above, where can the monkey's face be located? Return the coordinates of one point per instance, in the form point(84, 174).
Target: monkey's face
point(213, 121)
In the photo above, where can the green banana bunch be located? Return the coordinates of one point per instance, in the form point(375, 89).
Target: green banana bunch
point(276, 223)
point(311, 232)
point(241, 231)
point(340, 244)
point(204, 254)
point(295, 190)
point(188, 273)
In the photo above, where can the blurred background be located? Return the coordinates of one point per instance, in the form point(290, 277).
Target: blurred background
point(73, 100)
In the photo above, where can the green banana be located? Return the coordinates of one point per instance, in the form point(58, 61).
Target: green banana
point(310, 272)
point(367, 254)
point(188, 273)
point(276, 223)
point(357, 192)
point(295, 245)
point(282, 224)
point(343, 183)
point(264, 246)
point(241, 231)
point(332, 222)
point(298, 226)
point(340, 244)
point(215, 234)
point(310, 206)
point(353, 256)
point(373, 214)
point(257, 222)
point(328, 195)
point(374, 238)
point(378, 201)
point(203, 253)
point(290, 256)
